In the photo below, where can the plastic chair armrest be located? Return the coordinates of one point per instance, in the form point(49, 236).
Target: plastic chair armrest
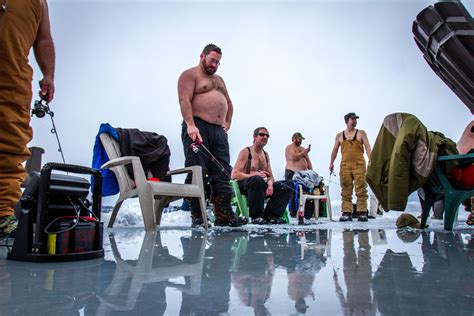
point(117, 162)
point(454, 157)
point(183, 170)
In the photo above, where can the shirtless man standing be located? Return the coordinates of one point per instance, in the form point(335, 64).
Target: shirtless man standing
point(207, 115)
point(353, 168)
point(297, 159)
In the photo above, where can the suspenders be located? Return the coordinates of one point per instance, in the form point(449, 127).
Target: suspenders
point(344, 135)
point(249, 160)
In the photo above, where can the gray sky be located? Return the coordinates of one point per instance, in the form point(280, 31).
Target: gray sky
point(288, 65)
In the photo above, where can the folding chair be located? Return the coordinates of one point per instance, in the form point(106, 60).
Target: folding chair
point(152, 195)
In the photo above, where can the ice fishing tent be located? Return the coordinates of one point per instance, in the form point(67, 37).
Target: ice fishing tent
point(444, 32)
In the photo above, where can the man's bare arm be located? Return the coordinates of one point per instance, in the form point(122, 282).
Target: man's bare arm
point(238, 172)
point(186, 85)
point(365, 141)
point(270, 180)
point(288, 155)
point(230, 107)
point(269, 171)
point(335, 149)
point(292, 154)
point(45, 56)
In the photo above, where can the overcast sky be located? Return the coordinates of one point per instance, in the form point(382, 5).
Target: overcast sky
point(288, 65)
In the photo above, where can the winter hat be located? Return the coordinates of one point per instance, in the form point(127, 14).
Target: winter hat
point(406, 219)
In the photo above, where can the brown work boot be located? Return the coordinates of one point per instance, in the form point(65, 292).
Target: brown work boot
point(8, 225)
point(224, 214)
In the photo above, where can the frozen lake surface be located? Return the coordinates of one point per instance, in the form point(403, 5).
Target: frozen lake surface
point(328, 268)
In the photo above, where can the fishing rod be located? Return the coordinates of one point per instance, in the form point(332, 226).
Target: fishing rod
point(40, 110)
point(329, 179)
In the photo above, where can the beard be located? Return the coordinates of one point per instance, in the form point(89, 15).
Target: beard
point(209, 69)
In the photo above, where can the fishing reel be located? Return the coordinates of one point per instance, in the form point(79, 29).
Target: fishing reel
point(40, 110)
point(195, 146)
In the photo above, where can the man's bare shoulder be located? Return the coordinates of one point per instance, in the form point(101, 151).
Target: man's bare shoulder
point(219, 78)
point(189, 73)
point(243, 152)
point(363, 135)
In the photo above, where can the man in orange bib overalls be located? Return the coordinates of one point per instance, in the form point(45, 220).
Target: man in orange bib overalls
point(23, 24)
point(353, 168)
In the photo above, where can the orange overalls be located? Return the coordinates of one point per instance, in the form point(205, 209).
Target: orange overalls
point(352, 174)
point(19, 23)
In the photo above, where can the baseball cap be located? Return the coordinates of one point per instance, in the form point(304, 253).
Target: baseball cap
point(297, 134)
point(349, 115)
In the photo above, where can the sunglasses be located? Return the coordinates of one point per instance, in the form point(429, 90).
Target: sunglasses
point(213, 61)
point(264, 134)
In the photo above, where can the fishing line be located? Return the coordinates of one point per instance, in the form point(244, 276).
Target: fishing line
point(208, 154)
point(40, 110)
point(329, 179)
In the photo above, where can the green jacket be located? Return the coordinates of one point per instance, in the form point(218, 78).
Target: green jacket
point(403, 157)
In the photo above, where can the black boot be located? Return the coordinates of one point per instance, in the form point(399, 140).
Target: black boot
point(346, 216)
point(224, 214)
point(362, 217)
point(196, 215)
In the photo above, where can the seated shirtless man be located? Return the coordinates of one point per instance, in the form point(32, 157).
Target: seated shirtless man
point(255, 178)
point(297, 159)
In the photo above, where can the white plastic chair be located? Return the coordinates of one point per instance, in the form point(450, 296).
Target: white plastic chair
point(152, 195)
point(303, 197)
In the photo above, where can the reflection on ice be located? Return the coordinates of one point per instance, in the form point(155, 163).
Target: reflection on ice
point(260, 272)
point(154, 265)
